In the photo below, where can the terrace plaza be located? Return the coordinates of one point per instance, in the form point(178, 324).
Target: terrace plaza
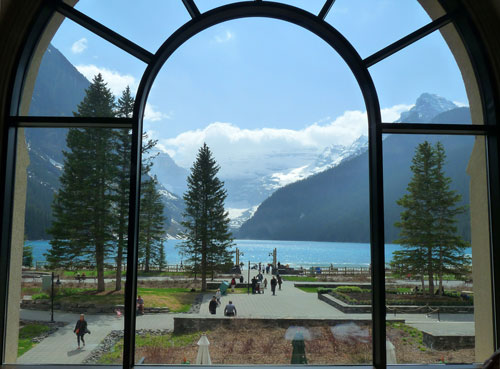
point(471, 29)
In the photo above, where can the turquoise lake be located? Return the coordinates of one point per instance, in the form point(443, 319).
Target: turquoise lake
point(294, 253)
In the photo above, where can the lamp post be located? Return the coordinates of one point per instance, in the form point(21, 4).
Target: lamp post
point(58, 282)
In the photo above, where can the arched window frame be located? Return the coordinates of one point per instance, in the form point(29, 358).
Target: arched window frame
point(455, 14)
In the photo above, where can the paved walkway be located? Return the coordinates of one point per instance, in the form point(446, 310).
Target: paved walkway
point(290, 302)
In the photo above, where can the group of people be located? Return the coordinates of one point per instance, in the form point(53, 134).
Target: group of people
point(229, 310)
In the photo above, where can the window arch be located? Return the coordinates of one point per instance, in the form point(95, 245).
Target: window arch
point(316, 24)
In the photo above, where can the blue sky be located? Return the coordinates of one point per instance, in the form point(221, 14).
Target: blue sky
point(263, 83)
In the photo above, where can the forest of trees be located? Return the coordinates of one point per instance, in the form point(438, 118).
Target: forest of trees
point(90, 208)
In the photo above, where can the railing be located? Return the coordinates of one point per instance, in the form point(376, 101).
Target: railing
point(338, 271)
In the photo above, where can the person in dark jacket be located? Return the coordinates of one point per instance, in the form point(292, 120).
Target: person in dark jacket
point(274, 282)
point(81, 329)
point(254, 285)
point(280, 281)
point(212, 306)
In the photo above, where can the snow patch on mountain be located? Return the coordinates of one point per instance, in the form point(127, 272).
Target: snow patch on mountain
point(330, 157)
point(239, 216)
point(168, 195)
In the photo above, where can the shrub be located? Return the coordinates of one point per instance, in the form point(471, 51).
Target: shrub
point(40, 296)
point(348, 289)
point(322, 290)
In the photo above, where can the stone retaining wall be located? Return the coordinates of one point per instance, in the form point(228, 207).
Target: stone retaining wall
point(447, 342)
point(394, 309)
point(196, 324)
point(80, 308)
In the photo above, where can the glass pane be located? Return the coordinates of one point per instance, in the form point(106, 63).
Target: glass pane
point(293, 160)
point(206, 5)
point(148, 24)
point(312, 6)
point(384, 21)
point(57, 86)
point(68, 253)
point(438, 280)
point(425, 71)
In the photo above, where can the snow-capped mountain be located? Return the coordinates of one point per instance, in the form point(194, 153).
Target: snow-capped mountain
point(330, 157)
point(426, 108)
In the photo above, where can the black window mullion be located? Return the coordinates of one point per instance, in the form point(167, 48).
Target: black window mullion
point(437, 129)
point(191, 8)
point(104, 32)
point(407, 40)
point(325, 9)
point(132, 246)
point(70, 122)
point(377, 244)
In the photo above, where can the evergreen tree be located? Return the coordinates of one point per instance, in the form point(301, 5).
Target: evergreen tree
point(83, 224)
point(208, 239)
point(428, 233)
point(450, 246)
point(123, 142)
point(151, 226)
point(28, 256)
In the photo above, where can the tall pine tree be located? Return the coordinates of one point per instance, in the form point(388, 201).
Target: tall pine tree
point(123, 142)
point(428, 233)
point(449, 253)
point(151, 226)
point(83, 224)
point(207, 237)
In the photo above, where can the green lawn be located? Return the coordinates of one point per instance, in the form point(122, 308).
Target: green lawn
point(26, 334)
point(297, 278)
point(176, 299)
point(309, 289)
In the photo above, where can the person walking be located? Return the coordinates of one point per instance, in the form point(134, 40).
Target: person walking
point(230, 309)
point(254, 285)
point(265, 283)
point(280, 281)
point(233, 284)
point(140, 305)
point(218, 295)
point(274, 282)
point(212, 306)
point(81, 329)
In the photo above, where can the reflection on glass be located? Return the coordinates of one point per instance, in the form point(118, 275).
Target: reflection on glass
point(433, 249)
point(74, 252)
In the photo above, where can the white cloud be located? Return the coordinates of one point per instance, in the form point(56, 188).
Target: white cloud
point(115, 80)
point(153, 115)
point(460, 104)
point(392, 114)
point(271, 147)
point(226, 37)
point(79, 46)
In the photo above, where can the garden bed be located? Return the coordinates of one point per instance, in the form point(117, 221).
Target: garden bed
point(260, 346)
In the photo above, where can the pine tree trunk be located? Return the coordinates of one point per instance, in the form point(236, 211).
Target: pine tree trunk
point(440, 273)
point(119, 259)
point(204, 265)
point(422, 280)
point(99, 258)
point(430, 270)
